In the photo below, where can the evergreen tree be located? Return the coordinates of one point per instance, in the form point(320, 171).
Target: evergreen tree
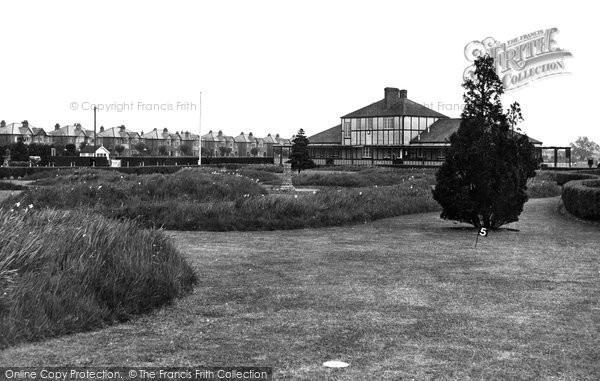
point(484, 178)
point(299, 157)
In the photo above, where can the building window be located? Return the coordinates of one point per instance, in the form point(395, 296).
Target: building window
point(366, 153)
point(358, 126)
point(388, 123)
point(346, 128)
point(370, 124)
point(386, 153)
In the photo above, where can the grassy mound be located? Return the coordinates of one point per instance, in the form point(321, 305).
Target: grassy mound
point(70, 271)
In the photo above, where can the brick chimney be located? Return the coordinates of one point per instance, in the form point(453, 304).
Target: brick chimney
point(122, 128)
point(403, 94)
point(392, 95)
point(101, 128)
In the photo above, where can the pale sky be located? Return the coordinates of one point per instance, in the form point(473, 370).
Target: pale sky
point(277, 66)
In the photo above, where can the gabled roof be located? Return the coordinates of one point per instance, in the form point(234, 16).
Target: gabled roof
point(69, 130)
point(15, 129)
point(241, 138)
point(402, 107)
point(38, 131)
point(90, 149)
point(441, 130)
point(155, 135)
point(332, 135)
point(116, 132)
point(270, 140)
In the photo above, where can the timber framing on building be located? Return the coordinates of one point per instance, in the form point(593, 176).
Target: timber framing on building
point(394, 130)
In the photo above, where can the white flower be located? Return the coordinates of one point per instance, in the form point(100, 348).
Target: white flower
point(18, 204)
point(295, 196)
point(360, 193)
point(30, 206)
point(100, 187)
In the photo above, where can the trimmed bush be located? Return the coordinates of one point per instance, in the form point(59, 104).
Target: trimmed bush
point(562, 178)
point(582, 198)
point(71, 271)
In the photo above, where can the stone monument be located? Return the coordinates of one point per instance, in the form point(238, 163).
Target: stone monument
point(286, 184)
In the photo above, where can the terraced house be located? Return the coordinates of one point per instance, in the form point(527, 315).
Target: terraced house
point(10, 133)
point(393, 130)
point(113, 137)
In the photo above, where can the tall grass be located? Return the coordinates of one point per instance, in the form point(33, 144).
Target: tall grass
point(364, 177)
point(259, 212)
point(106, 190)
point(70, 271)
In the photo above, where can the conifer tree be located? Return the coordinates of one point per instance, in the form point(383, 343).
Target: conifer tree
point(483, 181)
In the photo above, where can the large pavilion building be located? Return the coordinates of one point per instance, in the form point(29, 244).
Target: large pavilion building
point(394, 130)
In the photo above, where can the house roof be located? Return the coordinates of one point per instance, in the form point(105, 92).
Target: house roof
point(402, 107)
point(441, 130)
point(90, 149)
point(116, 132)
point(155, 134)
point(38, 131)
point(69, 130)
point(270, 140)
point(15, 129)
point(241, 138)
point(332, 135)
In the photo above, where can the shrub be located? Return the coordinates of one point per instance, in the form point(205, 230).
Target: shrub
point(562, 178)
point(70, 271)
point(582, 198)
point(10, 186)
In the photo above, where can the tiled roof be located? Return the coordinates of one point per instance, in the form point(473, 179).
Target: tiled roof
point(402, 107)
point(69, 130)
point(116, 132)
point(241, 138)
point(332, 135)
point(441, 130)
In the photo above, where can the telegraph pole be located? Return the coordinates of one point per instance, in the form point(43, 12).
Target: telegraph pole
point(95, 139)
point(200, 131)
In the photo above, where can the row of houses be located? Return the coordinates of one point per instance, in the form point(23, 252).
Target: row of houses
point(155, 142)
point(243, 145)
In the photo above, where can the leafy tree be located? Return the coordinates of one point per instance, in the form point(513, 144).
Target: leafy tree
point(483, 181)
point(141, 147)
point(36, 149)
point(70, 150)
point(299, 157)
point(82, 145)
point(119, 148)
point(254, 151)
point(205, 152)
point(224, 151)
point(18, 151)
point(163, 150)
point(185, 150)
point(583, 148)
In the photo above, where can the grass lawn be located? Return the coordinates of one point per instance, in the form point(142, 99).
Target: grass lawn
point(403, 297)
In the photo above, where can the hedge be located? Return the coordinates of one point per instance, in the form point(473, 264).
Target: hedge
point(562, 178)
point(582, 198)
